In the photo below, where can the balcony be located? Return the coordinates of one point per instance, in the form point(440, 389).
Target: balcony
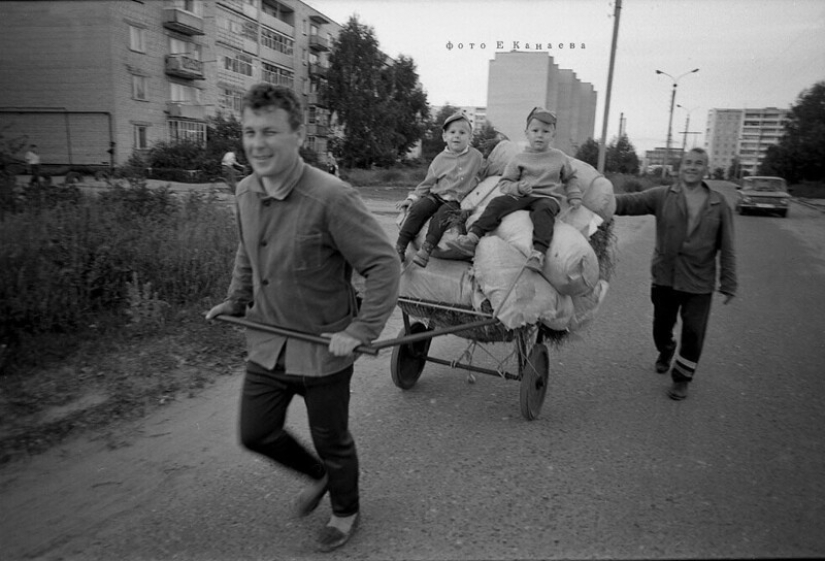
point(316, 99)
point(316, 69)
point(184, 66)
point(318, 43)
point(182, 21)
point(317, 130)
point(179, 109)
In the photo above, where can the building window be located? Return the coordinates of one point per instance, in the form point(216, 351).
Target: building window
point(250, 30)
point(139, 87)
point(230, 99)
point(187, 131)
point(184, 94)
point(279, 11)
point(137, 39)
point(277, 75)
point(192, 6)
point(277, 42)
point(305, 26)
point(241, 64)
point(180, 47)
point(141, 142)
point(312, 143)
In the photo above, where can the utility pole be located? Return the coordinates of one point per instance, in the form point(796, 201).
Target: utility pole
point(603, 146)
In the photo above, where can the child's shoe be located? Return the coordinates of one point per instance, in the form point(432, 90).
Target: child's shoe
point(536, 261)
point(422, 256)
point(465, 244)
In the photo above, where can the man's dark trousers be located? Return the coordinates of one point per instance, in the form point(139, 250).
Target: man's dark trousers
point(694, 310)
point(264, 401)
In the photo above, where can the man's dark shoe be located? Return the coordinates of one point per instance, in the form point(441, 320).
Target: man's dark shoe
point(663, 362)
point(332, 538)
point(678, 391)
point(310, 497)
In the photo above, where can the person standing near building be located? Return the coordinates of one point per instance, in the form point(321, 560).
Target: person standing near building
point(694, 229)
point(230, 167)
point(302, 234)
point(33, 160)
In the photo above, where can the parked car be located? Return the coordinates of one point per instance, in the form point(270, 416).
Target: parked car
point(763, 194)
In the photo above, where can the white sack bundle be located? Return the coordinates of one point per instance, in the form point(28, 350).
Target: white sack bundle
point(501, 156)
point(570, 263)
point(586, 307)
point(450, 282)
point(597, 190)
point(531, 299)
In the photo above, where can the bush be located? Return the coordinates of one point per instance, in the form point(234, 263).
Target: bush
point(65, 264)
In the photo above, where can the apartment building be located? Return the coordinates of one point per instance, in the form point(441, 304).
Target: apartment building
point(744, 134)
point(476, 115)
point(92, 81)
point(519, 81)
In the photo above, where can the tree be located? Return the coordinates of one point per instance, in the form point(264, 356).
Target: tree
point(432, 143)
point(486, 139)
point(589, 152)
point(800, 154)
point(223, 134)
point(380, 105)
point(621, 156)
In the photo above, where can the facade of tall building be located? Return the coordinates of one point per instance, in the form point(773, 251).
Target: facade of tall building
point(90, 82)
point(745, 134)
point(519, 81)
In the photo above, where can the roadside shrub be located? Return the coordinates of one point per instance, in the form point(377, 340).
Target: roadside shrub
point(61, 266)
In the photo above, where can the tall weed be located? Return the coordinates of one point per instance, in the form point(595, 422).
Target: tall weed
point(63, 264)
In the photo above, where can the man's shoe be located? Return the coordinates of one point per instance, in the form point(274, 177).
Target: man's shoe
point(535, 262)
point(311, 496)
point(422, 256)
point(678, 391)
point(663, 362)
point(464, 244)
point(332, 538)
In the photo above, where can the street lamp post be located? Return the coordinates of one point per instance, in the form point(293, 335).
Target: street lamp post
point(672, 101)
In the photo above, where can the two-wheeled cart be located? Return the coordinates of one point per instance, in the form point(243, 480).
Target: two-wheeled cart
point(425, 320)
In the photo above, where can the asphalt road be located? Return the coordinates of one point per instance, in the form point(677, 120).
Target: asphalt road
point(450, 470)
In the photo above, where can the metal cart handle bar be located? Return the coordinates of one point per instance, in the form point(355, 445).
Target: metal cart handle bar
point(291, 333)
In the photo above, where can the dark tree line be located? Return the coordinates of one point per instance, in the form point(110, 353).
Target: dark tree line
point(800, 154)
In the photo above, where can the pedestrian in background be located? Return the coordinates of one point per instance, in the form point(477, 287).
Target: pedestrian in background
point(230, 169)
point(694, 228)
point(302, 234)
point(33, 160)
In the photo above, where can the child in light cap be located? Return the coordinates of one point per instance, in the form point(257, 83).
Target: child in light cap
point(537, 180)
point(452, 175)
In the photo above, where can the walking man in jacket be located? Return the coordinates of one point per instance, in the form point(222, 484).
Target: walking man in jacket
point(302, 234)
point(694, 227)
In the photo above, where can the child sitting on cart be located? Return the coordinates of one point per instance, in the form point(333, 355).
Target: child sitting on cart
point(452, 175)
point(537, 179)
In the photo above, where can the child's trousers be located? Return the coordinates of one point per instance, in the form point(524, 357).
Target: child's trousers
point(543, 212)
point(426, 208)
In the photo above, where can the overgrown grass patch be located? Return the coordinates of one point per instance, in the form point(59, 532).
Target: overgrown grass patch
point(394, 177)
point(101, 306)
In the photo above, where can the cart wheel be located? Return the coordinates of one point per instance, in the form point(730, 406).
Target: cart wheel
point(408, 359)
point(534, 375)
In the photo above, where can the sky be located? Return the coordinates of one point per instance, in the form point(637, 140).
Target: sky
point(750, 53)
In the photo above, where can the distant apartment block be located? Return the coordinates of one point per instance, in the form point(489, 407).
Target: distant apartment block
point(655, 159)
point(745, 134)
point(519, 81)
point(476, 115)
point(82, 77)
